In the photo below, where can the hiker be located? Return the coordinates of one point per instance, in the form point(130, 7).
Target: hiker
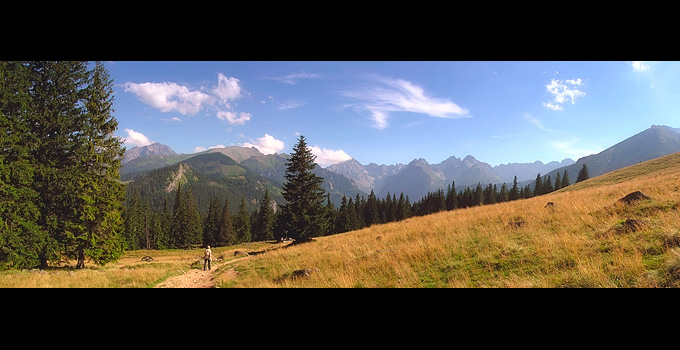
point(207, 258)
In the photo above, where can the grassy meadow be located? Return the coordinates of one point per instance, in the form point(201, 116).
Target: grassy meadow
point(584, 240)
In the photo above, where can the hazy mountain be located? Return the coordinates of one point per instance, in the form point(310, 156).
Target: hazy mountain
point(528, 171)
point(154, 149)
point(652, 143)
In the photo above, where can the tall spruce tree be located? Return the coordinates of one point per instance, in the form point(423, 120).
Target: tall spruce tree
point(227, 233)
point(242, 223)
point(583, 174)
point(265, 220)
point(21, 237)
point(62, 139)
point(303, 215)
point(565, 179)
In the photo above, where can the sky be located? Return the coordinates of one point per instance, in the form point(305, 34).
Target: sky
point(389, 112)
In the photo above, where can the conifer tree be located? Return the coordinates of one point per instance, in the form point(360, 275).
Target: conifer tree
point(342, 221)
point(514, 191)
point(304, 212)
point(538, 185)
point(371, 215)
point(211, 225)
point(227, 233)
point(21, 237)
point(478, 195)
point(264, 230)
point(565, 179)
point(548, 186)
point(242, 223)
point(583, 174)
point(503, 195)
point(57, 132)
point(451, 197)
point(558, 181)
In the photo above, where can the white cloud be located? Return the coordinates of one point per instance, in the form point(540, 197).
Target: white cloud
point(640, 66)
point(266, 144)
point(563, 90)
point(227, 88)
point(199, 149)
point(396, 95)
point(136, 138)
point(326, 157)
point(233, 118)
point(167, 97)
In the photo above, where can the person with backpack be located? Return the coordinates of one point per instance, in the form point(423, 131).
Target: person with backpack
point(207, 258)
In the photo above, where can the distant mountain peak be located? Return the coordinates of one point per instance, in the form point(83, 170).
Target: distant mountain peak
point(154, 149)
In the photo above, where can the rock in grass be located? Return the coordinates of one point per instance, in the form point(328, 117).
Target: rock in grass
point(304, 272)
point(633, 197)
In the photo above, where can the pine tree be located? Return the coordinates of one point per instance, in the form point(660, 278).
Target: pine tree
point(451, 197)
point(21, 237)
point(211, 225)
point(538, 185)
point(58, 133)
point(186, 225)
point(304, 212)
point(514, 191)
point(558, 181)
point(503, 194)
point(548, 186)
point(265, 220)
point(371, 215)
point(583, 174)
point(479, 195)
point(565, 179)
point(227, 233)
point(242, 223)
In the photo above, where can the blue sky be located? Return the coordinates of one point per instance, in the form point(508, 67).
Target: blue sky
point(394, 112)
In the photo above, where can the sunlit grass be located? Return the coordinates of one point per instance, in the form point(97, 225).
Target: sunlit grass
point(578, 243)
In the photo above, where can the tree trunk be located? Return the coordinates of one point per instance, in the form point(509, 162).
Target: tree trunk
point(81, 259)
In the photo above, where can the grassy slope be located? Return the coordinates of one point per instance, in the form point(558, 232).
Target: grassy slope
point(581, 242)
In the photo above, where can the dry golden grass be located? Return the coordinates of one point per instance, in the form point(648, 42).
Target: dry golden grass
point(128, 272)
point(581, 242)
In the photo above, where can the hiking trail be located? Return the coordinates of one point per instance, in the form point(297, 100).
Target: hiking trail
point(197, 278)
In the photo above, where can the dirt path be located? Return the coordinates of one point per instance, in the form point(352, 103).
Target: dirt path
point(194, 278)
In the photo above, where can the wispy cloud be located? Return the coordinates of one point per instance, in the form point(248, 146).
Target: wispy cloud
point(537, 123)
point(562, 91)
point(293, 78)
point(396, 95)
point(574, 149)
point(290, 105)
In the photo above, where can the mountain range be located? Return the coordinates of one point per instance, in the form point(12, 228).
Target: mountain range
point(415, 179)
